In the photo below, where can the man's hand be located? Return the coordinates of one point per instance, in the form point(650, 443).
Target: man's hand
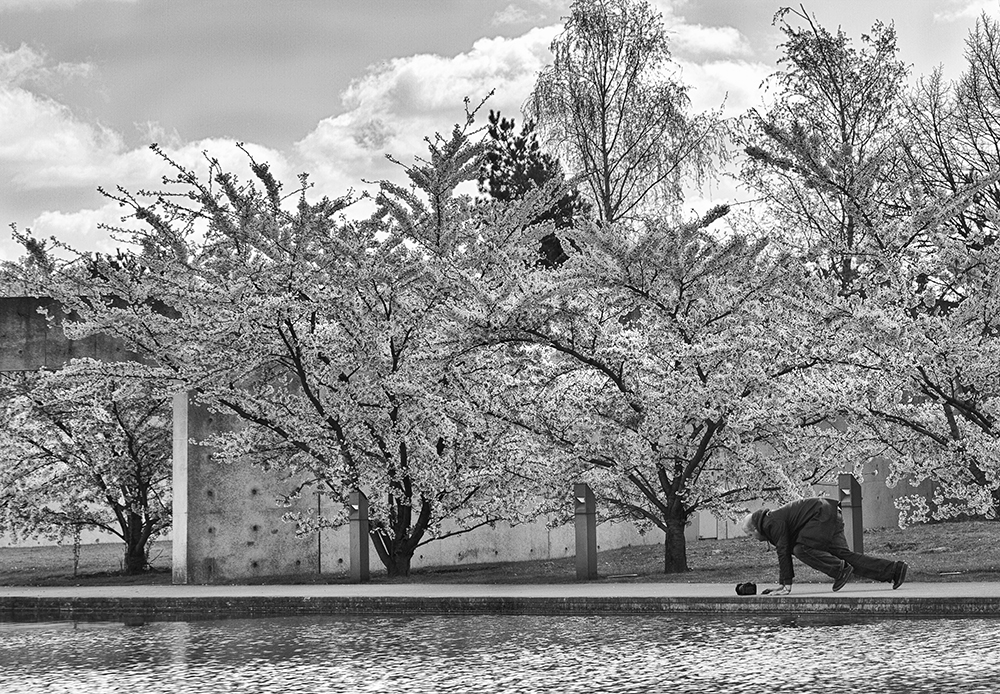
point(780, 590)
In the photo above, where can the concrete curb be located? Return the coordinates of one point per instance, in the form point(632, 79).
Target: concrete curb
point(143, 609)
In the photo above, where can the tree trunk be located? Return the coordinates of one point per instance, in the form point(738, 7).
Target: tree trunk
point(395, 547)
point(135, 545)
point(399, 563)
point(135, 560)
point(675, 546)
point(395, 553)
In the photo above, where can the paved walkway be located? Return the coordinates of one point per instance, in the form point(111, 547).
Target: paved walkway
point(596, 589)
point(180, 602)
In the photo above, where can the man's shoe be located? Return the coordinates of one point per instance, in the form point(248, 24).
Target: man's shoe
point(899, 575)
point(843, 577)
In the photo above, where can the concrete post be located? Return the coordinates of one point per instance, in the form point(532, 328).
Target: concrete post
point(586, 532)
point(179, 531)
point(359, 537)
point(850, 503)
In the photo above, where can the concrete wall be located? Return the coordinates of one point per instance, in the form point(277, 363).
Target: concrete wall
point(28, 342)
point(227, 525)
point(524, 542)
point(706, 526)
point(878, 500)
point(231, 528)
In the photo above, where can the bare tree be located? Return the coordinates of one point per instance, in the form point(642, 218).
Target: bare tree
point(612, 106)
point(826, 154)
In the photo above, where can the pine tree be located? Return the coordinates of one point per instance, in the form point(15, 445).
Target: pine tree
point(514, 165)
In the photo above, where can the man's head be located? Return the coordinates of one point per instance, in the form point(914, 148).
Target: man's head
point(751, 524)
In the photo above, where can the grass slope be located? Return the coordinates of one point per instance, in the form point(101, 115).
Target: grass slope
point(967, 551)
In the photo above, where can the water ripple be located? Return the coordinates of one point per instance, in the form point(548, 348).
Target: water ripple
point(487, 654)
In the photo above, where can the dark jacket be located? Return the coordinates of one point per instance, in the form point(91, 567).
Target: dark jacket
point(811, 522)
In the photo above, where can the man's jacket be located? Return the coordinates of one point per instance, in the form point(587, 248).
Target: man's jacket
point(811, 522)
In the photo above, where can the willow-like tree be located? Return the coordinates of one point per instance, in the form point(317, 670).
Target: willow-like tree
point(947, 354)
point(86, 448)
point(888, 197)
point(611, 106)
point(826, 155)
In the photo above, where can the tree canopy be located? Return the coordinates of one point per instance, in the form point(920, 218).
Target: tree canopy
point(881, 191)
point(328, 338)
point(613, 108)
point(515, 165)
point(86, 447)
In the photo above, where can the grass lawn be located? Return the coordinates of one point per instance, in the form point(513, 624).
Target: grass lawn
point(961, 551)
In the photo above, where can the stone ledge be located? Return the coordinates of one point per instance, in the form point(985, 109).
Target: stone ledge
point(44, 609)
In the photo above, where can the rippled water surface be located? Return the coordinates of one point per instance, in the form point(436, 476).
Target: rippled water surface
point(503, 654)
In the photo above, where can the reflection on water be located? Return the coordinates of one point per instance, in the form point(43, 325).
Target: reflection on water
point(503, 654)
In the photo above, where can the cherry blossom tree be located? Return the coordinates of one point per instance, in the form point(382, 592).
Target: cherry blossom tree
point(671, 368)
point(945, 357)
point(86, 447)
point(327, 338)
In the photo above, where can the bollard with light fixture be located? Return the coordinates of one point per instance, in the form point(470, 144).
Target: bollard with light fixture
point(358, 504)
point(586, 532)
point(850, 504)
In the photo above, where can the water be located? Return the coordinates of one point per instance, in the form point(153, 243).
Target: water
point(514, 654)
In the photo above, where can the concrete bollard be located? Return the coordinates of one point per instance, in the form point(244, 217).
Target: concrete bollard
point(181, 447)
point(586, 533)
point(359, 537)
point(850, 504)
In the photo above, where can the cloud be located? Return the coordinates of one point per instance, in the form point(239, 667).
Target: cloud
point(696, 39)
point(48, 153)
point(26, 66)
point(83, 228)
point(514, 14)
point(396, 104)
point(86, 229)
point(154, 131)
point(731, 84)
point(57, 159)
point(686, 39)
point(966, 9)
point(43, 146)
point(552, 5)
point(428, 83)
point(392, 108)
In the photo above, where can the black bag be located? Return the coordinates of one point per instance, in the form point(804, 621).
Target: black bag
point(746, 588)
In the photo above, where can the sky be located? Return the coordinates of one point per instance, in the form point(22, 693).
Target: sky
point(330, 87)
